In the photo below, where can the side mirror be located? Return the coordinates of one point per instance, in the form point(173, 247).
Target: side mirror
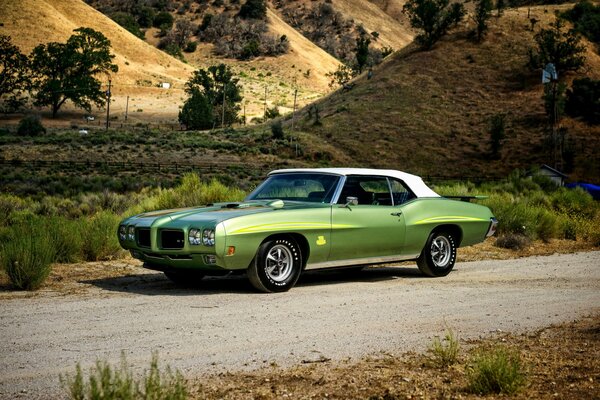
point(351, 201)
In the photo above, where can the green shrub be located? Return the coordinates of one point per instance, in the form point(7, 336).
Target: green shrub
point(190, 47)
point(277, 130)
point(514, 216)
point(9, 204)
point(192, 192)
point(583, 99)
point(496, 371)
point(574, 203)
point(586, 18)
point(547, 225)
point(444, 352)
point(108, 383)
point(99, 235)
point(66, 238)
point(588, 229)
point(31, 125)
point(27, 255)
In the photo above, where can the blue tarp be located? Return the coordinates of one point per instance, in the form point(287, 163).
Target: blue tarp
point(594, 190)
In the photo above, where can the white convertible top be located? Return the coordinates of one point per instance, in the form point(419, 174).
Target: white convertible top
point(415, 183)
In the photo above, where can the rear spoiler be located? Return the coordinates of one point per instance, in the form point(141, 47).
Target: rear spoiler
point(466, 198)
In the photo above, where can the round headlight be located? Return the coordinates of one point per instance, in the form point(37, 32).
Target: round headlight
point(122, 232)
point(131, 233)
point(194, 237)
point(208, 237)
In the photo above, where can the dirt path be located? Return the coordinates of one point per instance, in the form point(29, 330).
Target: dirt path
point(224, 325)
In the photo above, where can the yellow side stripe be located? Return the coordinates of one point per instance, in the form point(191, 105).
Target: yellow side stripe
point(290, 225)
point(450, 218)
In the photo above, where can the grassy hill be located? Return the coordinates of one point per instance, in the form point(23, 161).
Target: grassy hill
point(429, 112)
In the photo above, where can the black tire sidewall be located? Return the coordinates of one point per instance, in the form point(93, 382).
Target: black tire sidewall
point(260, 260)
point(425, 262)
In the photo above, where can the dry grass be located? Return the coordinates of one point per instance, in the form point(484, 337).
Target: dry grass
point(392, 33)
point(555, 370)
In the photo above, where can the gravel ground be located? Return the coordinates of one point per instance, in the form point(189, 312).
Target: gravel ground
point(224, 326)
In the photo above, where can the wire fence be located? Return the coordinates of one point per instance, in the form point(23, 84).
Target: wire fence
point(180, 167)
point(131, 125)
point(132, 166)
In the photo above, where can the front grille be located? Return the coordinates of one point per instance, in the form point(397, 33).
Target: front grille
point(143, 237)
point(171, 240)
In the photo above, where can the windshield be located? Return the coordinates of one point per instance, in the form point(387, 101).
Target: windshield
point(315, 188)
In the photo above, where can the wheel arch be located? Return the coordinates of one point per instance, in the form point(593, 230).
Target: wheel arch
point(452, 229)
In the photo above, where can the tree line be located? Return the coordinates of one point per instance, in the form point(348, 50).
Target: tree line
point(54, 73)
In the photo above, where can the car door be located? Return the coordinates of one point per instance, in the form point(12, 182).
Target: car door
point(371, 229)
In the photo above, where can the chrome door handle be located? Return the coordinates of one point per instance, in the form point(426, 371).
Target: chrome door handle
point(397, 214)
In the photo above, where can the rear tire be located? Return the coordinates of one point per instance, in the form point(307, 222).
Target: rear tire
point(438, 256)
point(276, 266)
point(185, 278)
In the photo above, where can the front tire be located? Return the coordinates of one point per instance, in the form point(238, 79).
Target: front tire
point(438, 256)
point(276, 266)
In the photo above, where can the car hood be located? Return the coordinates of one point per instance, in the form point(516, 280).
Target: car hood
point(215, 213)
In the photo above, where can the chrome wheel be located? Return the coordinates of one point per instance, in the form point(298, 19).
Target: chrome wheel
point(279, 263)
point(441, 251)
point(438, 255)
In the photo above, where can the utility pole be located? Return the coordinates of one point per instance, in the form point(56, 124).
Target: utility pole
point(126, 108)
point(223, 115)
point(265, 113)
point(294, 112)
point(108, 104)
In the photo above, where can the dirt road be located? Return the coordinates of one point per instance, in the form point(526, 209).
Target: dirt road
point(224, 325)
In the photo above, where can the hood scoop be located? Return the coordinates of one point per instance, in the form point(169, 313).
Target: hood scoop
point(275, 204)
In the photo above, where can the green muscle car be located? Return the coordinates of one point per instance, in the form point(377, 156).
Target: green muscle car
point(301, 219)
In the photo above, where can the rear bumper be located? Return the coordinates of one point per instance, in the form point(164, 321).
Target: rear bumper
point(492, 227)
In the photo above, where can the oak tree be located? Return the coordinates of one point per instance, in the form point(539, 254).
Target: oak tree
point(14, 75)
point(70, 71)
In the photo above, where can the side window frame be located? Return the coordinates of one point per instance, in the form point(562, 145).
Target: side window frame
point(360, 179)
point(409, 197)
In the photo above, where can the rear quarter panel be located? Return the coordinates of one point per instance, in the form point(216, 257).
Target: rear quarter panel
point(423, 216)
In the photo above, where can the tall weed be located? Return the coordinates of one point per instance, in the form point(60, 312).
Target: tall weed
point(496, 371)
point(108, 383)
point(444, 352)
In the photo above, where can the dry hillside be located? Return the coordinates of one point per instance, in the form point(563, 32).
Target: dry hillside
point(429, 112)
point(393, 8)
point(142, 67)
point(392, 33)
point(304, 67)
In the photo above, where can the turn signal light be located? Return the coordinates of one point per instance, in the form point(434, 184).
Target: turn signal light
point(231, 250)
